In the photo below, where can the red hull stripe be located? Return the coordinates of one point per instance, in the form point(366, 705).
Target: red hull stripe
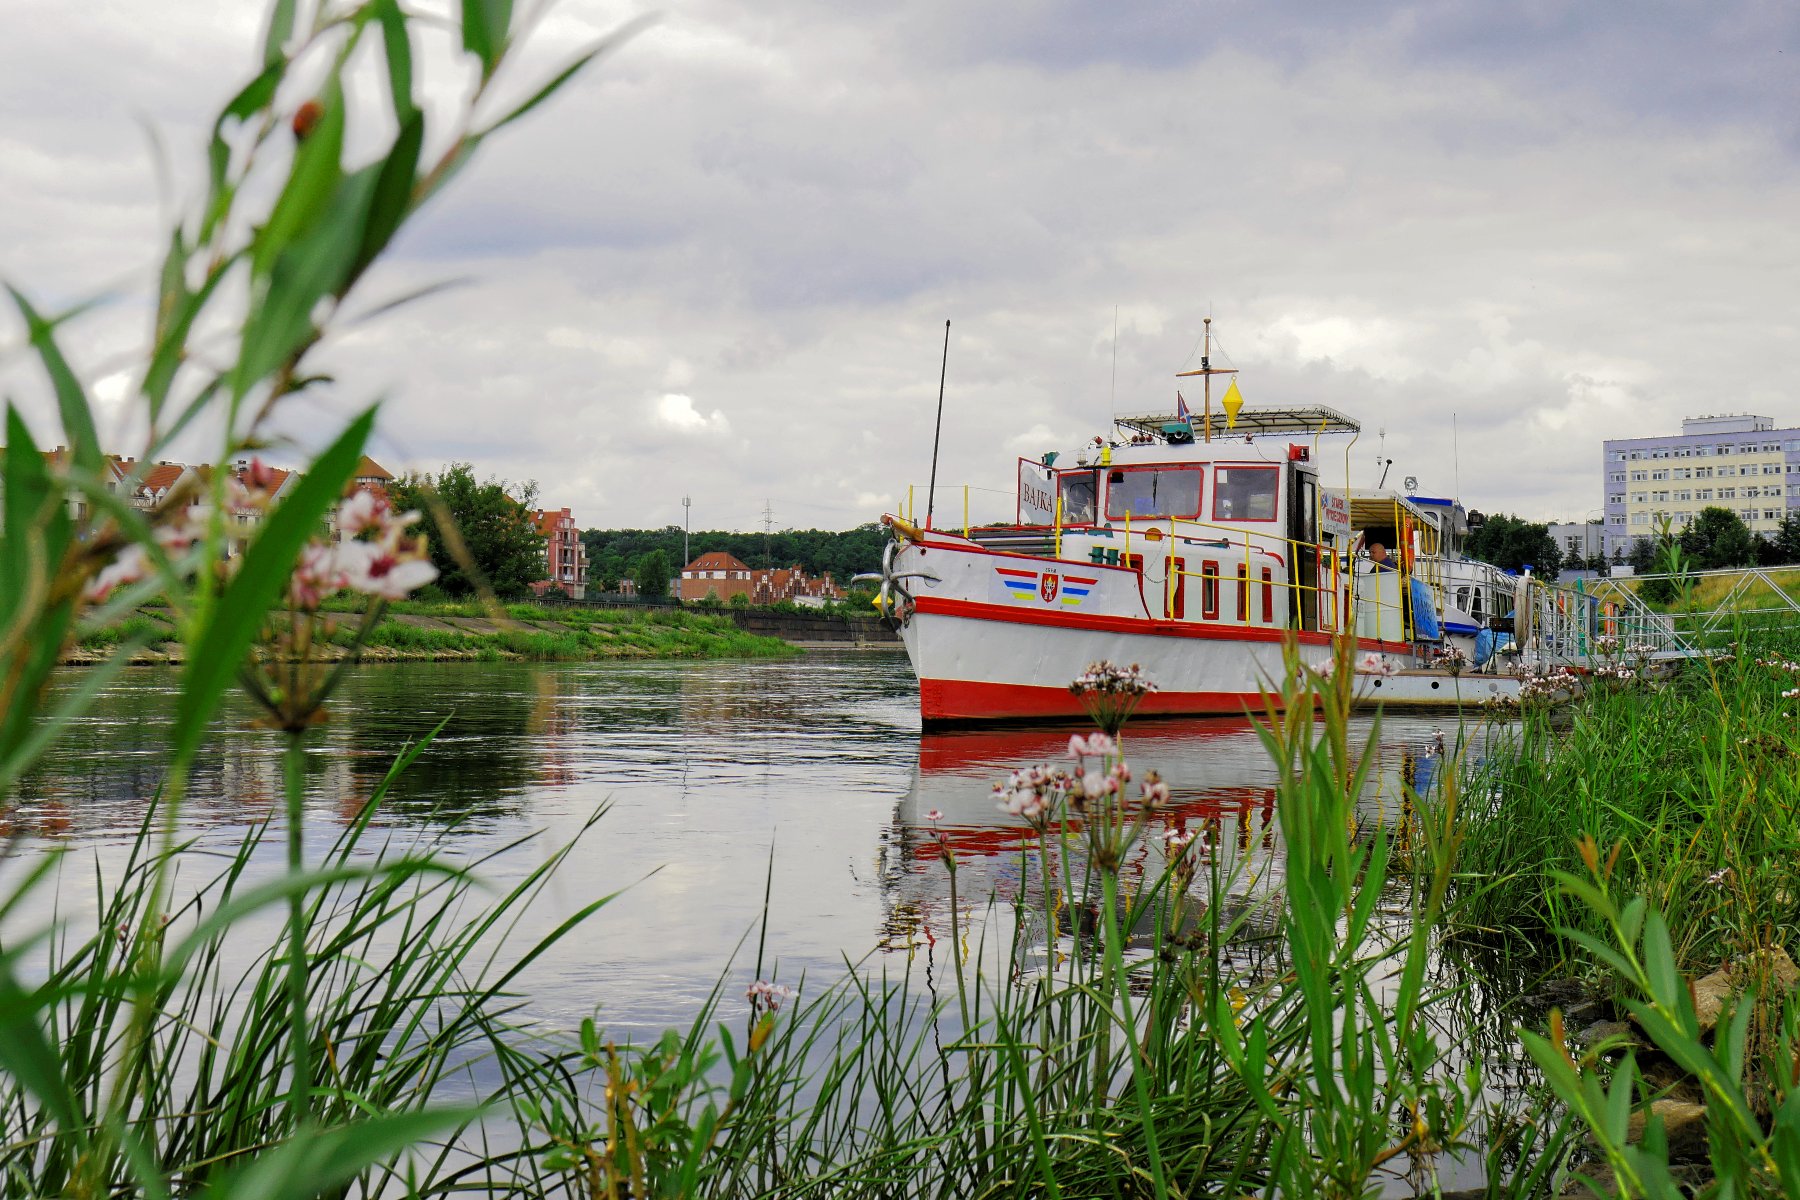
point(977, 611)
point(943, 701)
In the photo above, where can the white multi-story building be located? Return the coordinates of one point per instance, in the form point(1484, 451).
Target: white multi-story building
point(1738, 462)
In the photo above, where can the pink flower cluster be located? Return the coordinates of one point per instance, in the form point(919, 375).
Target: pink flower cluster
point(1107, 679)
point(1377, 664)
point(1031, 793)
point(768, 995)
point(375, 555)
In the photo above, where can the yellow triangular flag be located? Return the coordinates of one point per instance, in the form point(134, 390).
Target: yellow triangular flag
point(1233, 401)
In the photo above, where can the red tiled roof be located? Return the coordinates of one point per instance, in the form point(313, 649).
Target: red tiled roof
point(162, 476)
point(717, 560)
point(548, 520)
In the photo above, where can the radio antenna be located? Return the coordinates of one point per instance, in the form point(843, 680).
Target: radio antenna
point(943, 371)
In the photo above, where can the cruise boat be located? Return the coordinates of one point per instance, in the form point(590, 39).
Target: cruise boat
point(1196, 547)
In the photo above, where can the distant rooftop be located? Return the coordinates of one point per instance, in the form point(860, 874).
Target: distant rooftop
point(1727, 423)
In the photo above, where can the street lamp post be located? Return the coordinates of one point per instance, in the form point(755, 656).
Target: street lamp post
point(687, 509)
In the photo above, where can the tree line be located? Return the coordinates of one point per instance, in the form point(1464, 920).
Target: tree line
point(1716, 538)
point(619, 554)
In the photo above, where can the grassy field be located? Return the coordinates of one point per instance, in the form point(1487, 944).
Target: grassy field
point(525, 632)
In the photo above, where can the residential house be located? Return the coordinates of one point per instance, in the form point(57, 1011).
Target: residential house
point(716, 574)
point(722, 576)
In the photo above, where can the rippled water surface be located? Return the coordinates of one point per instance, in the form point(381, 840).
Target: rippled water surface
point(709, 772)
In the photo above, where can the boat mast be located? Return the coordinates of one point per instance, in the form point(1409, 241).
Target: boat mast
point(1207, 371)
point(1206, 379)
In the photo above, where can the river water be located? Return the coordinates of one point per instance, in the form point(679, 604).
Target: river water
point(710, 773)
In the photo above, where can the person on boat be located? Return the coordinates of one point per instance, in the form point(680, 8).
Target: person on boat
point(1379, 559)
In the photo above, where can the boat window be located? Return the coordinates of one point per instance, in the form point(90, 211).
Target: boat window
point(1077, 489)
point(1153, 492)
point(1245, 493)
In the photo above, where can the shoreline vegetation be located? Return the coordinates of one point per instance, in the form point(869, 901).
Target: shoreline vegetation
point(470, 632)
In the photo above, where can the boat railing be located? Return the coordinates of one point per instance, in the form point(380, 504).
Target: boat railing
point(966, 500)
point(1338, 602)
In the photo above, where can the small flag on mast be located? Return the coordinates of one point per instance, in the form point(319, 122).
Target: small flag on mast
point(1181, 408)
point(1233, 401)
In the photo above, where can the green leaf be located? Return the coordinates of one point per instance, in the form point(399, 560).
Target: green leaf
point(396, 39)
point(262, 576)
point(71, 398)
point(172, 337)
point(25, 1054)
point(392, 196)
point(252, 98)
point(485, 24)
point(316, 1162)
point(36, 530)
point(604, 46)
point(311, 184)
point(281, 28)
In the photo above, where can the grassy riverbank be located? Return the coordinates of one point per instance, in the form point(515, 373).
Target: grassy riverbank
point(1689, 791)
point(522, 632)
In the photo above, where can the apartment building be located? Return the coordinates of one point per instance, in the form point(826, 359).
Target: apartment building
point(565, 556)
point(1739, 462)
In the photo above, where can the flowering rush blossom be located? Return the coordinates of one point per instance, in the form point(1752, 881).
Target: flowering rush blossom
point(375, 555)
point(768, 995)
point(1097, 745)
point(1111, 693)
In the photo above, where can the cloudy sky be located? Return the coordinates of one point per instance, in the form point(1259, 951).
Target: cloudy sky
point(720, 264)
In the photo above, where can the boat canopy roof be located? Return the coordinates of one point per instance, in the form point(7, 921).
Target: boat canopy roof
point(1374, 509)
point(1309, 420)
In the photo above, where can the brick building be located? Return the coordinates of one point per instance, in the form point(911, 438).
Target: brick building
point(565, 555)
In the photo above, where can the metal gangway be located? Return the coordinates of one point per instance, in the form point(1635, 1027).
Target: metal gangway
point(1572, 624)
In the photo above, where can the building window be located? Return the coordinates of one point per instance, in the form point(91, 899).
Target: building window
point(1771, 514)
point(1659, 454)
point(1639, 476)
point(1659, 474)
point(1618, 519)
point(1636, 455)
point(1726, 451)
point(1703, 472)
point(1640, 518)
point(1684, 472)
point(1617, 498)
point(1771, 447)
point(1619, 476)
point(1684, 495)
point(1728, 493)
point(1640, 497)
point(1703, 494)
point(1615, 456)
point(1771, 468)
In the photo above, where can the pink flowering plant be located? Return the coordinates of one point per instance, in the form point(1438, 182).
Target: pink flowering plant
point(332, 141)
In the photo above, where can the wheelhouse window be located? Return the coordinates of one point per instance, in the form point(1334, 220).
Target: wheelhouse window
point(1077, 489)
point(1153, 492)
point(1245, 493)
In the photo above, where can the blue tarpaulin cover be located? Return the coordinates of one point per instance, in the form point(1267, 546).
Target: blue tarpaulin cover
point(1425, 619)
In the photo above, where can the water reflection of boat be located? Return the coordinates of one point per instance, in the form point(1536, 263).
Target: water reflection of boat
point(1222, 790)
